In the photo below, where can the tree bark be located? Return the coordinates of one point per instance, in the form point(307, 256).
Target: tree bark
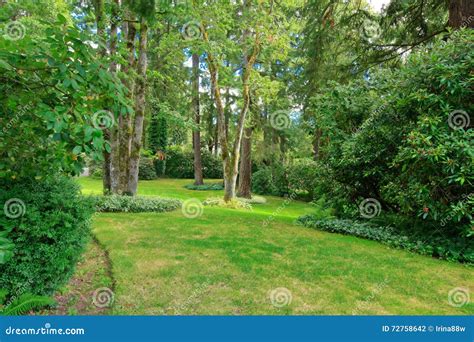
point(245, 173)
point(230, 154)
point(461, 13)
point(114, 134)
point(125, 120)
point(136, 139)
point(197, 120)
point(100, 23)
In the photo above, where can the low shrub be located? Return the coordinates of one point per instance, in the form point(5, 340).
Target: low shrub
point(48, 223)
point(136, 204)
point(236, 203)
point(146, 169)
point(455, 249)
point(211, 186)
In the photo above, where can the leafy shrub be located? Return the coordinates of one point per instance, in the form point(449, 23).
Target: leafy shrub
point(211, 165)
point(270, 181)
point(146, 169)
point(452, 249)
point(303, 176)
point(211, 186)
point(396, 138)
point(48, 237)
point(180, 164)
point(136, 204)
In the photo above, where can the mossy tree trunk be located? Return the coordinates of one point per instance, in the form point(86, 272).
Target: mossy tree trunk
point(140, 104)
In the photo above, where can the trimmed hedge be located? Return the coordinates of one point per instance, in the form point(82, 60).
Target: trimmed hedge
point(455, 249)
point(137, 204)
point(49, 234)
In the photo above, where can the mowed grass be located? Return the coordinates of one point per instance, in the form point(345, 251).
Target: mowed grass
point(228, 262)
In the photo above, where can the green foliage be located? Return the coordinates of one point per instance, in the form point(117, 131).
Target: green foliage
point(158, 134)
point(395, 140)
point(137, 204)
point(146, 169)
point(52, 89)
point(303, 177)
point(270, 181)
point(6, 247)
point(454, 249)
point(179, 164)
point(210, 186)
point(49, 233)
point(25, 303)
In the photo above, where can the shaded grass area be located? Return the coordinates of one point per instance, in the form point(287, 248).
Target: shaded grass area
point(228, 262)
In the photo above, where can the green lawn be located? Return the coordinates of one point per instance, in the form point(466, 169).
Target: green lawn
point(227, 262)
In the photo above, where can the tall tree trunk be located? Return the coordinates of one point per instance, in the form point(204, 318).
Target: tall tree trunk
point(114, 133)
point(245, 173)
point(197, 120)
point(136, 139)
point(125, 120)
point(461, 13)
point(230, 155)
point(100, 23)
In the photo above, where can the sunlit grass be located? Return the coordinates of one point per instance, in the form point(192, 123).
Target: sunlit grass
point(228, 262)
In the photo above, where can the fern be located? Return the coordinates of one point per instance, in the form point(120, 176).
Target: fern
point(26, 302)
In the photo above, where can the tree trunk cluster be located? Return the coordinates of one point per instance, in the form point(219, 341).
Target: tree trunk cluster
point(121, 164)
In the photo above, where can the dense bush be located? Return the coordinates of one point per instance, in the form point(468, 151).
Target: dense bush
point(136, 204)
point(48, 237)
point(179, 164)
point(404, 138)
point(270, 181)
point(303, 177)
point(146, 169)
point(452, 249)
